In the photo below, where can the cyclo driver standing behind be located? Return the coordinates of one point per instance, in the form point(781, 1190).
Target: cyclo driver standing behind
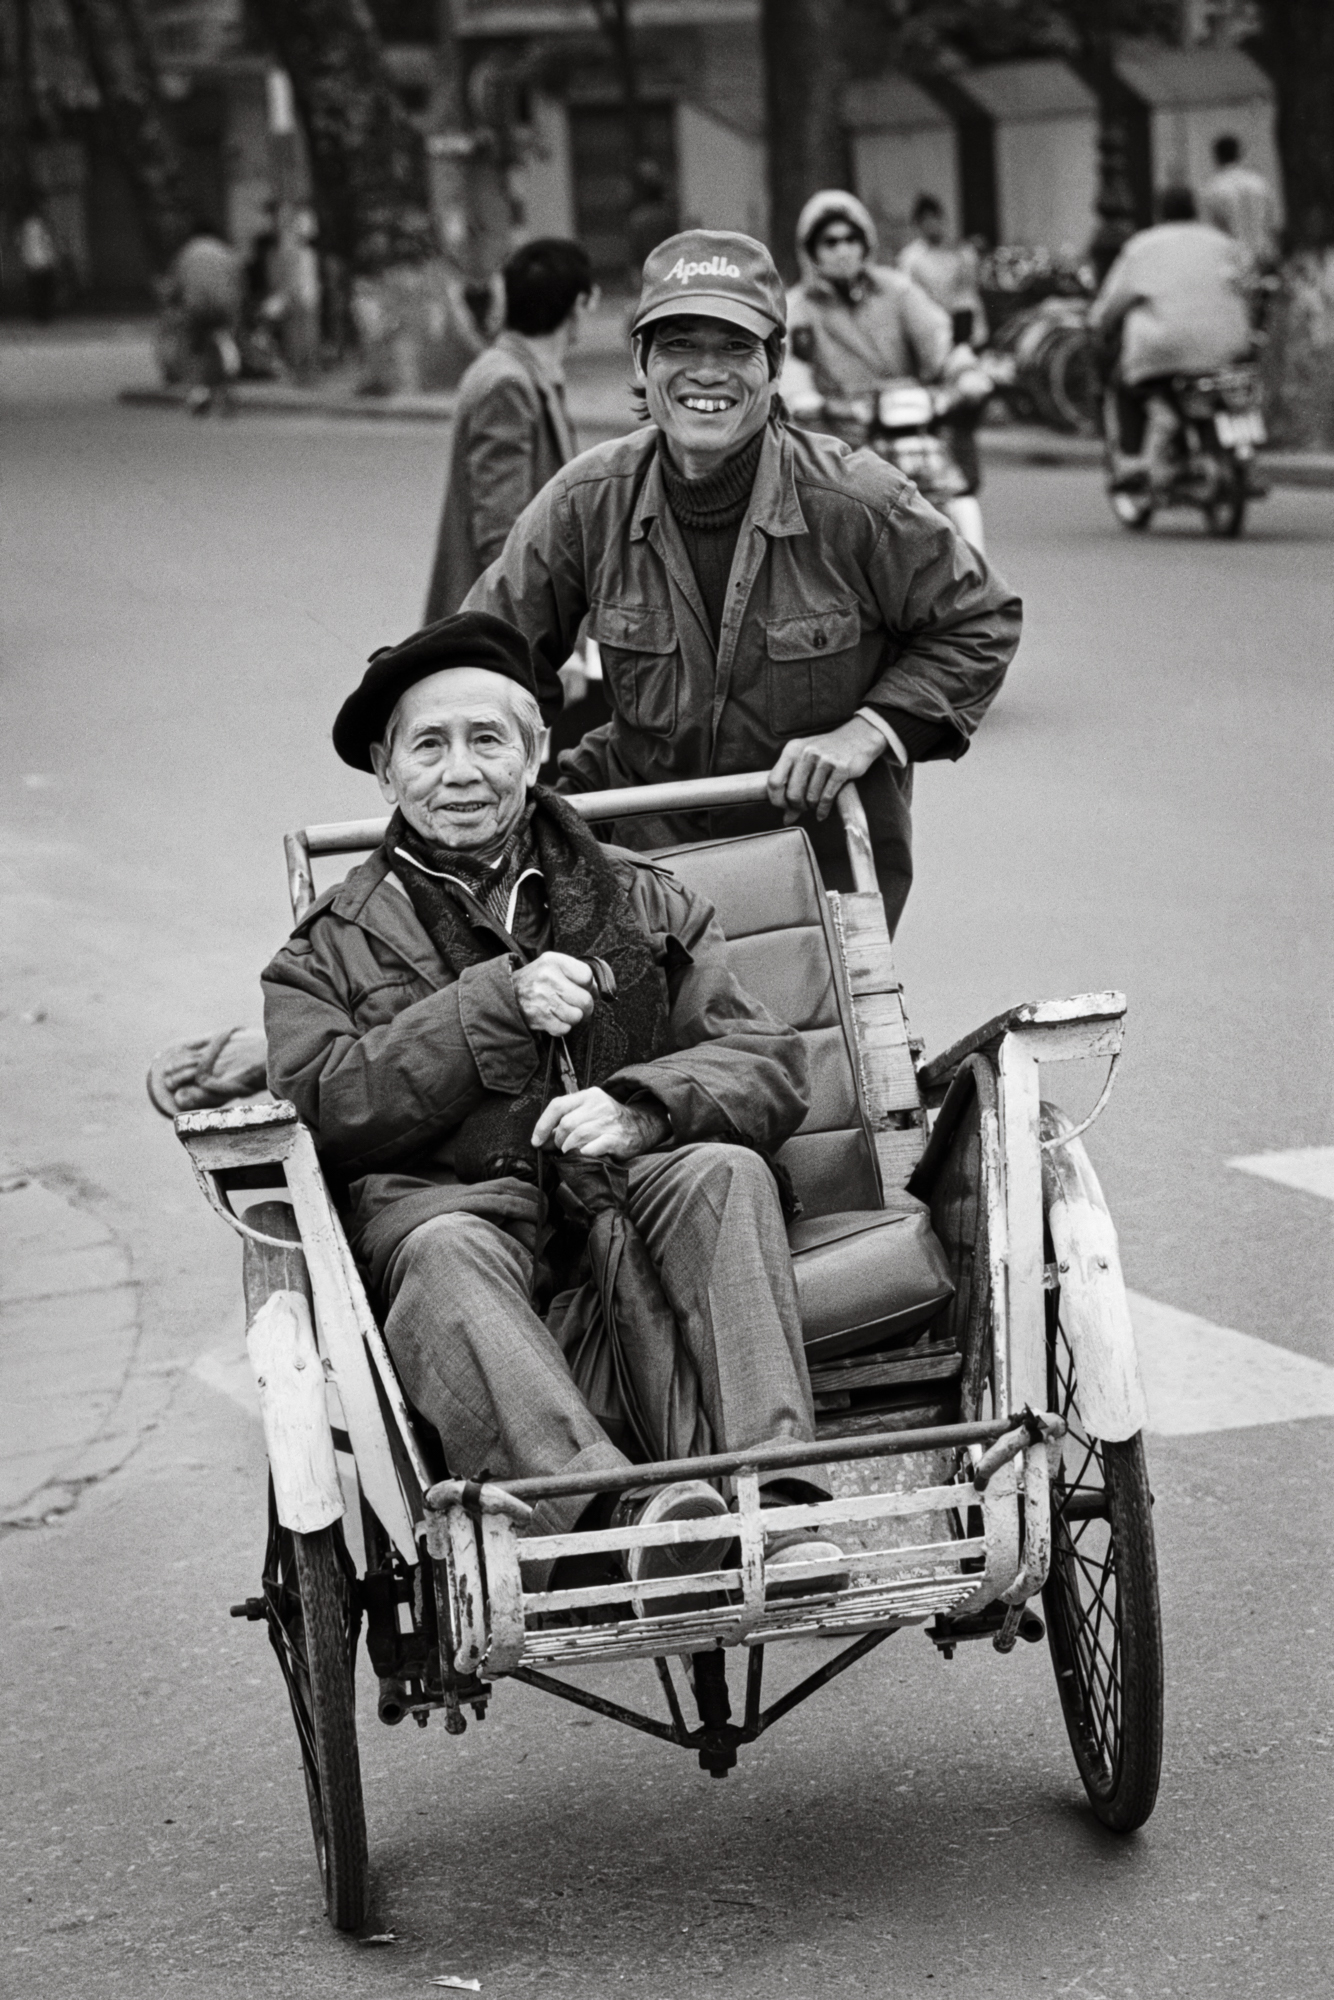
point(763, 596)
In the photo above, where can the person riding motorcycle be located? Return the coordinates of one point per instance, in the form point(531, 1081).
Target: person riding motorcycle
point(855, 324)
point(1173, 303)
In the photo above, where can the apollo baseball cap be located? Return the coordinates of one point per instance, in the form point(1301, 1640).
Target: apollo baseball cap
point(717, 273)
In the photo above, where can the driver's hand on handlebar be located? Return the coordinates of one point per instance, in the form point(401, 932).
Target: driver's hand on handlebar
point(554, 992)
point(812, 770)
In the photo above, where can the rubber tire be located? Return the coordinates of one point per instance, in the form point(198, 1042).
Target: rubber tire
point(1224, 518)
point(337, 1809)
point(1122, 1788)
point(1074, 388)
point(1138, 519)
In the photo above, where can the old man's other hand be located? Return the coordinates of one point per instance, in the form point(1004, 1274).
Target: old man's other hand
point(554, 992)
point(812, 770)
point(597, 1126)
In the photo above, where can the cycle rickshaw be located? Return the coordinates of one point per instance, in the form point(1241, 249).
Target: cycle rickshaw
point(970, 1352)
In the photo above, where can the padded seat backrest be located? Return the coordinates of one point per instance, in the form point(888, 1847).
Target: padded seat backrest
point(771, 904)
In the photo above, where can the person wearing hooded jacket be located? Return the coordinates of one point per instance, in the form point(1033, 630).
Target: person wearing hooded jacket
point(853, 323)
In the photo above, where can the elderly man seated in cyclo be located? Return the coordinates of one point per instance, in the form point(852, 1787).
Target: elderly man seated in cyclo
point(496, 1025)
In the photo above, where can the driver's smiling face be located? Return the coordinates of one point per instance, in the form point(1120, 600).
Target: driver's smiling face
point(707, 385)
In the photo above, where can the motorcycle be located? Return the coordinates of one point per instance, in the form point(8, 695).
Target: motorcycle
point(1200, 443)
point(927, 431)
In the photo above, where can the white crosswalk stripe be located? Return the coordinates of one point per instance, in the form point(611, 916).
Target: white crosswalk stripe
point(1197, 1376)
point(1309, 1168)
point(1202, 1377)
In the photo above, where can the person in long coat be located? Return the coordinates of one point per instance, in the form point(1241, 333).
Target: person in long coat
point(511, 431)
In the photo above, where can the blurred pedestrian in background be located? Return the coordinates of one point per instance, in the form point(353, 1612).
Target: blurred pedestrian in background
point(1173, 303)
point(511, 428)
point(207, 285)
point(947, 272)
point(1240, 202)
point(40, 260)
point(652, 215)
point(296, 275)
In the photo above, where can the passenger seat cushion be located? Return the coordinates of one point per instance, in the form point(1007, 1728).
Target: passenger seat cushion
point(867, 1277)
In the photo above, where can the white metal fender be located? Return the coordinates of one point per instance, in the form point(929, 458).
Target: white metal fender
point(290, 1378)
point(1094, 1309)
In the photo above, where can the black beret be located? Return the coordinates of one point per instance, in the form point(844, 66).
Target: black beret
point(467, 639)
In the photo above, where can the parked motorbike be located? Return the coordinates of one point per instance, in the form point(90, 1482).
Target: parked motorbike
point(1200, 444)
point(1055, 377)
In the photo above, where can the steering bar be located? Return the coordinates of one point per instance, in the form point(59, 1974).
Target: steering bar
point(746, 788)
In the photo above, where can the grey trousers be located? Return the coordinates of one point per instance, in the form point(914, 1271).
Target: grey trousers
point(482, 1367)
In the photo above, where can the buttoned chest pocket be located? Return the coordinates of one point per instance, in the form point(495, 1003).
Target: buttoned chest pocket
point(640, 663)
point(813, 669)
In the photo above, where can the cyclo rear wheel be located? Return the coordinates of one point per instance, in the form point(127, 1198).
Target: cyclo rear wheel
point(313, 1626)
point(1104, 1625)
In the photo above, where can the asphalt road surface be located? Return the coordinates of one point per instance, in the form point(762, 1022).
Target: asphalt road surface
point(185, 604)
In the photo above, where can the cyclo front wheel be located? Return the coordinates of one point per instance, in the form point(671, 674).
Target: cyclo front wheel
point(1104, 1625)
point(313, 1627)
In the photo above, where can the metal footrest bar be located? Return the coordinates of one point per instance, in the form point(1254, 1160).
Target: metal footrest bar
point(725, 1464)
point(477, 1536)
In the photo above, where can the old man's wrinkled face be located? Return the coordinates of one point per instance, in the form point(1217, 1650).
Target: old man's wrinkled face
point(461, 749)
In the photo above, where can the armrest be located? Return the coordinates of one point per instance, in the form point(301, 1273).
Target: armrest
point(234, 1118)
point(1086, 1024)
point(238, 1135)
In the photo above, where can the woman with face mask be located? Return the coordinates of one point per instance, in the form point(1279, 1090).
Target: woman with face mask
point(853, 323)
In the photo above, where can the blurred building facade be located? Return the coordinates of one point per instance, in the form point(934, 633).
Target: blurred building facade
point(1010, 149)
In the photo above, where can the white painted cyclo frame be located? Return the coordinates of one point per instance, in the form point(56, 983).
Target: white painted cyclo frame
point(496, 1623)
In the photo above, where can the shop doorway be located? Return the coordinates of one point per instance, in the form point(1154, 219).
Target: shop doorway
point(603, 196)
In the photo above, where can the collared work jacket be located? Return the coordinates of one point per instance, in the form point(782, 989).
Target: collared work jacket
point(846, 588)
point(511, 433)
point(383, 1050)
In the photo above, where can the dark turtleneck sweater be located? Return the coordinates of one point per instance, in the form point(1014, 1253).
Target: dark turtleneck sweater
point(709, 513)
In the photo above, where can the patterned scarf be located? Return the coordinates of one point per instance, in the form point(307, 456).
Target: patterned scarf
point(591, 916)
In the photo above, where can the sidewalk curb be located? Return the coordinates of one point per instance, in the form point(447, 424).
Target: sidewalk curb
point(1028, 446)
point(1021, 445)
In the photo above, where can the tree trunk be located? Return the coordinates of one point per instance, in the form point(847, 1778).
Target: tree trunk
point(15, 121)
point(114, 41)
point(1296, 46)
point(367, 158)
point(614, 20)
point(1114, 201)
point(804, 73)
